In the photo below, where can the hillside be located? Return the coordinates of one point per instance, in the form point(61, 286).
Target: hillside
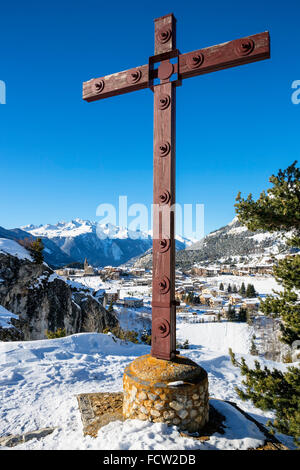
point(232, 243)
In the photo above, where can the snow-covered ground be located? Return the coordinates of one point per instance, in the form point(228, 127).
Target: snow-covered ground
point(13, 248)
point(219, 336)
point(39, 381)
point(134, 319)
point(262, 284)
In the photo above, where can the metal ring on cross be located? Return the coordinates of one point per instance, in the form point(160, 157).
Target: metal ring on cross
point(164, 197)
point(195, 60)
point(164, 34)
point(164, 101)
point(164, 245)
point(163, 285)
point(98, 86)
point(134, 76)
point(161, 327)
point(164, 148)
point(244, 46)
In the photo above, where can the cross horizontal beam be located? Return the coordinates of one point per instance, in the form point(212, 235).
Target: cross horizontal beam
point(210, 59)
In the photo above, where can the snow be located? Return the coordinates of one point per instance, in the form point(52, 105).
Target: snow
point(13, 248)
point(219, 336)
point(5, 316)
point(259, 237)
point(40, 380)
point(263, 284)
point(236, 230)
point(108, 231)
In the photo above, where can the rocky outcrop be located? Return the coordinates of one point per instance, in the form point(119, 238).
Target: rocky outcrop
point(44, 301)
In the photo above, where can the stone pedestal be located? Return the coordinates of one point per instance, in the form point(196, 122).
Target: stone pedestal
point(173, 392)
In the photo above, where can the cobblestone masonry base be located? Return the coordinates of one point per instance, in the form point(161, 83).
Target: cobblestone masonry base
point(173, 392)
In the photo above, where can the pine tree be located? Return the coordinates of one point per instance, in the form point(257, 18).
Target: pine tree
point(221, 286)
point(35, 248)
point(273, 390)
point(278, 209)
point(242, 315)
point(243, 289)
point(231, 316)
point(234, 289)
point(229, 289)
point(253, 348)
point(250, 291)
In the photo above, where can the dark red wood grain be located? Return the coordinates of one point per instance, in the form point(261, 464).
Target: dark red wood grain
point(224, 56)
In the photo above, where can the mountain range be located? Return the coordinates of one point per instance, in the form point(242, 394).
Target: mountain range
point(101, 244)
point(106, 244)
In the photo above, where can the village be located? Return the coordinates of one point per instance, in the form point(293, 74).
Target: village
point(202, 293)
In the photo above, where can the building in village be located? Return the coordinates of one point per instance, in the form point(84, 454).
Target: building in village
point(88, 270)
point(213, 291)
point(216, 302)
point(180, 293)
point(133, 302)
point(204, 298)
point(251, 304)
point(138, 272)
point(205, 271)
point(111, 295)
point(235, 299)
point(111, 272)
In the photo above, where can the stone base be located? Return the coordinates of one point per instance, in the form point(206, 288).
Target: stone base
point(173, 392)
point(99, 409)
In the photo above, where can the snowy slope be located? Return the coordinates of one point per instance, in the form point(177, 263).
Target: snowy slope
point(52, 253)
point(13, 248)
point(234, 242)
point(40, 379)
point(219, 336)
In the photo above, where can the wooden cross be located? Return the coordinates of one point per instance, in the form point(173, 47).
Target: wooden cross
point(163, 79)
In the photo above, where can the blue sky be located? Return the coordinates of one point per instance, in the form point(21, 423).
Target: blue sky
point(61, 157)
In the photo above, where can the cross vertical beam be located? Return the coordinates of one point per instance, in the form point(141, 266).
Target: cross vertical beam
point(164, 159)
point(210, 59)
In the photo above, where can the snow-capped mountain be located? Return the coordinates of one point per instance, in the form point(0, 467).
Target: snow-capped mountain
point(101, 244)
point(236, 240)
point(235, 243)
point(232, 243)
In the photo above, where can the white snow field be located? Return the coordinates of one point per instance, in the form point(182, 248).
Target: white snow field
point(39, 381)
point(13, 248)
point(220, 336)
